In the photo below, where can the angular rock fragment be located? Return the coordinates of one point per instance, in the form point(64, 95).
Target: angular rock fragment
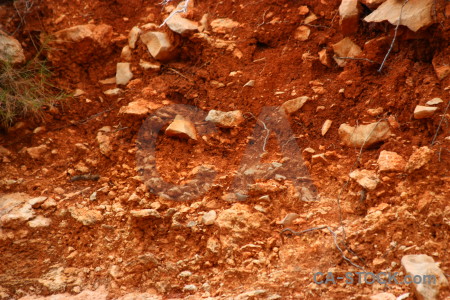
point(434, 101)
point(390, 161)
point(139, 107)
point(302, 33)
point(415, 14)
point(123, 73)
point(423, 112)
point(182, 128)
point(158, 44)
point(181, 25)
point(133, 37)
point(101, 34)
point(224, 25)
point(368, 179)
point(85, 216)
point(326, 126)
point(349, 16)
point(345, 48)
point(37, 152)
point(294, 105)
point(418, 159)
point(421, 267)
point(126, 53)
point(364, 135)
point(225, 119)
point(145, 213)
point(209, 218)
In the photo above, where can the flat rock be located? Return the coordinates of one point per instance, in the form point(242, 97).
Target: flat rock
point(416, 14)
point(145, 213)
point(225, 119)
point(326, 126)
point(37, 152)
point(434, 101)
point(224, 25)
point(149, 66)
point(423, 112)
point(123, 73)
point(158, 44)
point(112, 92)
point(182, 128)
point(39, 221)
point(418, 159)
point(101, 34)
point(10, 49)
point(349, 16)
point(422, 265)
point(86, 216)
point(288, 219)
point(368, 179)
point(364, 135)
point(140, 107)
point(390, 161)
point(292, 106)
point(15, 209)
point(345, 48)
point(182, 25)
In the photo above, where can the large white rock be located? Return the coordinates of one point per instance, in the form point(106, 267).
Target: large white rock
point(364, 135)
point(419, 266)
point(345, 48)
point(349, 16)
point(10, 49)
point(182, 25)
point(158, 44)
point(225, 119)
point(416, 14)
point(123, 73)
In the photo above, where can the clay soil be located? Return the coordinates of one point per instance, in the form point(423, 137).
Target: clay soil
point(408, 213)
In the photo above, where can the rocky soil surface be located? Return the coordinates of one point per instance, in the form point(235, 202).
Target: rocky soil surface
point(231, 153)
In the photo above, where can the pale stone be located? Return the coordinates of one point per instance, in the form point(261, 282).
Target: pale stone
point(111, 80)
point(364, 135)
point(418, 159)
point(225, 119)
point(209, 218)
point(223, 25)
point(78, 92)
point(148, 65)
point(375, 111)
point(422, 265)
point(112, 92)
point(181, 25)
point(345, 48)
point(10, 49)
point(292, 106)
point(373, 3)
point(133, 37)
point(435, 101)
point(182, 128)
point(415, 14)
point(39, 221)
point(423, 112)
point(349, 16)
point(145, 213)
point(390, 161)
point(104, 143)
point(326, 126)
point(126, 53)
point(86, 216)
point(139, 107)
point(158, 44)
point(302, 33)
point(288, 219)
point(37, 152)
point(123, 73)
point(368, 179)
point(324, 58)
point(75, 34)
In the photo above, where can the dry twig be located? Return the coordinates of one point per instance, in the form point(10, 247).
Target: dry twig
point(440, 123)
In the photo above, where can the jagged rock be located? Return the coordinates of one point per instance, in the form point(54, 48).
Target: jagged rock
point(181, 25)
point(223, 25)
point(368, 179)
point(349, 16)
point(423, 112)
point(140, 107)
point(104, 141)
point(37, 152)
point(390, 161)
point(239, 220)
point(158, 44)
point(326, 126)
point(434, 101)
point(345, 48)
point(324, 58)
point(291, 106)
point(101, 34)
point(86, 216)
point(39, 221)
point(36, 202)
point(123, 73)
point(423, 265)
point(209, 218)
point(364, 135)
point(182, 128)
point(225, 119)
point(418, 159)
point(145, 213)
point(10, 49)
point(416, 14)
point(302, 33)
point(133, 37)
point(15, 209)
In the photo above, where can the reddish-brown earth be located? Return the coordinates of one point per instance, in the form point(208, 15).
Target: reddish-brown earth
point(407, 213)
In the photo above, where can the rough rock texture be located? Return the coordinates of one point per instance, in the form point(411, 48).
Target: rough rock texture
point(416, 14)
point(302, 33)
point(391, 161)
point(349, 16)
point(158, 44)
point(364, 135)
point(98, 33)
point(345, 48)
point(139, 107)
point(182, 128)
point(225, 119)
point(422, 265)
point(368, 179)
point(418, 159)
point(123, 73)
point(224, 25)
point(10, 49)
point(182, 25)
point(423, 112)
